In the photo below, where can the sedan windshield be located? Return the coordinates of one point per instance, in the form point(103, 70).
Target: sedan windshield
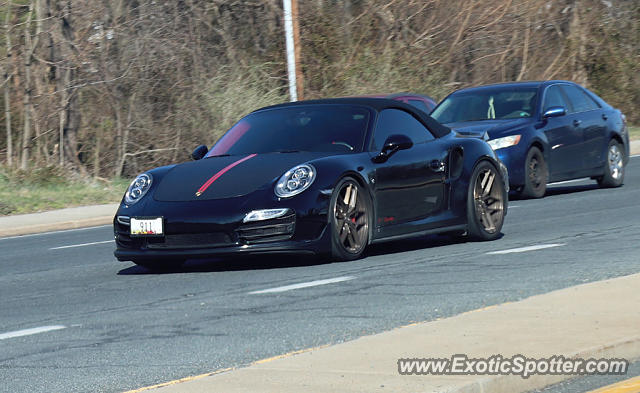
point(487, 104)
point(318, 128)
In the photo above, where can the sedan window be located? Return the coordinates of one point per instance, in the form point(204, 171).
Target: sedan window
point(580, 101)
point(554, 97)
point(395, 121)
point(487, 104)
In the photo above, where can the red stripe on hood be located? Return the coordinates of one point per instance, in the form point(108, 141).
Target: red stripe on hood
point(222, 172)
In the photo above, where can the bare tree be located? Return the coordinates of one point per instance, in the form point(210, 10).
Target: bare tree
point(7, 83)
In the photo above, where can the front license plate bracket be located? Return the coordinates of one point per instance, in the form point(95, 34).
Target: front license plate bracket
point(146, 227)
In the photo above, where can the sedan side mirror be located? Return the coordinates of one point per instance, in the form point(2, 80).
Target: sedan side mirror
point(393, 144)
point(554, 111)
point(199, 152)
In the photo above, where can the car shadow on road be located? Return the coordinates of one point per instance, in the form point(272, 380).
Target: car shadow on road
point(278, 261)
point(558, 190)
point(414, 243)
point(562, 190)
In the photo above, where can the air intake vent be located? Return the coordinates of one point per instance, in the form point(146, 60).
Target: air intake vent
point(268, 231)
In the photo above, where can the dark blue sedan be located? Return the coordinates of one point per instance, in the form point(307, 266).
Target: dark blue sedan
point(543, 131)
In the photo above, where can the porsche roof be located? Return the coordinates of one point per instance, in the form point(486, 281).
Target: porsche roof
point(377, 104)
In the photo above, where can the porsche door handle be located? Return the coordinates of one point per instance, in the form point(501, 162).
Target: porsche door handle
point(436, 166)
point(576, 123)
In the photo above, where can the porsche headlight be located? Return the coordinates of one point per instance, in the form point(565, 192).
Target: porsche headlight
point(503, 142)
point(295, 180)
point(138, 188)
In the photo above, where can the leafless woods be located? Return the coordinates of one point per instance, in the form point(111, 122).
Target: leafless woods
point(113, 87)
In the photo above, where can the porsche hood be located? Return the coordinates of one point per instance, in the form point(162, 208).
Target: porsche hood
point(227, 176)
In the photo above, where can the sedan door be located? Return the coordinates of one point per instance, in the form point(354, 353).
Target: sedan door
point(564, 134)
point(409, 184)
point(593, 123)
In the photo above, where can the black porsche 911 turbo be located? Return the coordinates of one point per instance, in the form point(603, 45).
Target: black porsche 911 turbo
point(325, 177)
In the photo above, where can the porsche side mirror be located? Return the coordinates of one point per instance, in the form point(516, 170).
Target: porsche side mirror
point(392, 145)
point(199, 152)
point(554, 111)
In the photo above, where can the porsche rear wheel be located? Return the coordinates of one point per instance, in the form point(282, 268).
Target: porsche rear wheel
point(613, 167)
point(535, 174)
point(349, 220)
point(485, 203)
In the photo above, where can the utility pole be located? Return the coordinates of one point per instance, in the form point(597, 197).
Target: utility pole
point(292, 39)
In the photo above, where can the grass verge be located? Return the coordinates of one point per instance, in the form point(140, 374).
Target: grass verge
point(53, 188)
point(634, 133)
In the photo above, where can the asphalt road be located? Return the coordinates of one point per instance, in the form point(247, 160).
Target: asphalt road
point(112, 326)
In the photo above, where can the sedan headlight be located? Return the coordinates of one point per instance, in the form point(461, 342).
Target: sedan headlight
point(138, 188)
point(503, 142)
point(295, 180)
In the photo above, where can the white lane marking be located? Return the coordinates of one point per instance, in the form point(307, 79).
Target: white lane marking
point(81, 245)
point(303, 285)
point(513, 206)
point(54, 232)
point(525, 249)
point(28, 332)
point(568, 181)
point(634, 156)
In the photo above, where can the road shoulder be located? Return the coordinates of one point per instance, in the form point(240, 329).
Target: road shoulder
point(596, 320)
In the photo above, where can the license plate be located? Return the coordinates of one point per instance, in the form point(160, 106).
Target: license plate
point(148, 226)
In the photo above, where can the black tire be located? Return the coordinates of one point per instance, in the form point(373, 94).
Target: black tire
point(160, 265)
point(613, 166)
point(535, 174)
point(349, 217)
point(486, 199)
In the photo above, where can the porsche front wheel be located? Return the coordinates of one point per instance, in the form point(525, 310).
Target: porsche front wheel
point(485, 203)
point(349, 220)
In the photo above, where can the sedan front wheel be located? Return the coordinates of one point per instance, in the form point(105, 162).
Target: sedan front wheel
point(535, 174)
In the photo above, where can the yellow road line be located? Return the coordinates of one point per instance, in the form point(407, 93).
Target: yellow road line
point(286, 355)
point(224, 370)
point(629, 386)
point(176, 381)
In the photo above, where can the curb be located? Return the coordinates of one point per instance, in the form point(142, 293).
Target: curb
point(58, 226)
point(57, 220)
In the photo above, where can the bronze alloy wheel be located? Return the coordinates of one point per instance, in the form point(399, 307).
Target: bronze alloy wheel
point(488, 194)
point(350, 220)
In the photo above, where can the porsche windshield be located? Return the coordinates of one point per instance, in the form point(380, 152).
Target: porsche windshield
point(319, 128)
point(487, 104)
